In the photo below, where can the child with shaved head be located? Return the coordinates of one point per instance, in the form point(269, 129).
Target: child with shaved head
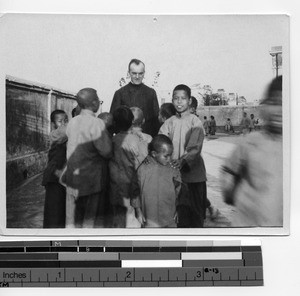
point(88, 146)
point(138, 121)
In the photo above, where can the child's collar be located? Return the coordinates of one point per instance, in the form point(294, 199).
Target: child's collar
point(183, 114)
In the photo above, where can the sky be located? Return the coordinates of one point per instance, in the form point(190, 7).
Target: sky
point(70, 52)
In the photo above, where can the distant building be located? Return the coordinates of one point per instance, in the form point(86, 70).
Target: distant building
point(276, 53)
point(232, 99)
point(207, 89)
point(222, 94)
point(242, 101)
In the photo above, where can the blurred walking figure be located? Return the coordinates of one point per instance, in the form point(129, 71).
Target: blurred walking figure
point(253, 176)
point(253, 123)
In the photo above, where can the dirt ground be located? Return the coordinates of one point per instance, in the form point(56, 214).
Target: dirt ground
point(25, 204)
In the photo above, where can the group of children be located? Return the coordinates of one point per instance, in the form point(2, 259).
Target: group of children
point(139, 180)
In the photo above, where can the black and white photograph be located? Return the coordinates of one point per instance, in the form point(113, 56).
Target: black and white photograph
point(146, 124)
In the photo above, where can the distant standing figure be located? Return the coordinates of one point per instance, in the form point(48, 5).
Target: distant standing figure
point(229, 126)
point(213, 125)
point(253, 123)
point(206, 125)
point(137, 94)
point(245, 123)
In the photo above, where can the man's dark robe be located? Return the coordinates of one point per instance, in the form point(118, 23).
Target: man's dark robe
point(141, 96)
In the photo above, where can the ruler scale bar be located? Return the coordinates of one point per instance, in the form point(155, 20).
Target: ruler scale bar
point(115, 263)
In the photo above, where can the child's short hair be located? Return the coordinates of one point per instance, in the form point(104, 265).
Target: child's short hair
point(205, 117)
point(76, 111)
point(183, 87)
point(56, 112)
point(107, 118)
point(157, 143)
point(85, 97)
point(167, 110)
point(123, 118)
point(194, 102)
point(138, 115)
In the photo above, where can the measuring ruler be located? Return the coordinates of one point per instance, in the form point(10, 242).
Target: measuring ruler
point(94, 263)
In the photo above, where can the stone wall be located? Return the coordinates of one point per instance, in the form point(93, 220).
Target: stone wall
point(221, 113)
point(28, 109)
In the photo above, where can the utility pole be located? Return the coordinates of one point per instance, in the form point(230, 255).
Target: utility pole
point(276, 53)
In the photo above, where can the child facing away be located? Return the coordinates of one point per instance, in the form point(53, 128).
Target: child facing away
point(138, 121)
point(158, 185)
point(55, 198)
point(88, 146)
point(166, 111)
point(187, 135)
point(129, 150)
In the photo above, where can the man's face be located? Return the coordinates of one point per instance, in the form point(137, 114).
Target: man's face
point(136, 73)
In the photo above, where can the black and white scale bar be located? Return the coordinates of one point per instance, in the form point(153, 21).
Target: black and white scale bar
point(130, 263)
point(222, 276)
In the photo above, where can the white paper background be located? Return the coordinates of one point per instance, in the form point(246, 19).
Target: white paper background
point(281, 254)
